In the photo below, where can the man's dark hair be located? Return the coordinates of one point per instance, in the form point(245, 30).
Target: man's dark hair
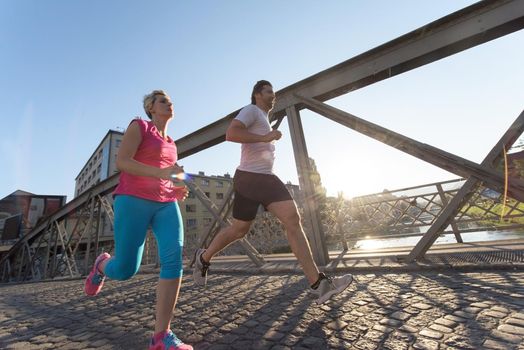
point(258, 88)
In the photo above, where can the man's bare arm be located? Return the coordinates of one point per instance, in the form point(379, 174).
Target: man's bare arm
point(237, 132)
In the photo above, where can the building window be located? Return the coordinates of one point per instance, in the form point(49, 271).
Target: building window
point(117, 143)
point(190, 195)
point(208, 195)
point(190, 208)
point(220, 184)
point(220, 195)
point(191, 223)
point(205, 182)
point(207, 222)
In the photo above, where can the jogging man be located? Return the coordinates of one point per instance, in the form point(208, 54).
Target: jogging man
point(254, 185)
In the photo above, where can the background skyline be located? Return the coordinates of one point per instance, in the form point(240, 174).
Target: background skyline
point(73, 70)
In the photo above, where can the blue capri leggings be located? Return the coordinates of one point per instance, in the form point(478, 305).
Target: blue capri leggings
point(133, 216)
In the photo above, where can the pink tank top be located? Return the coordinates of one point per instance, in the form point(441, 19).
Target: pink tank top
point(155, 151)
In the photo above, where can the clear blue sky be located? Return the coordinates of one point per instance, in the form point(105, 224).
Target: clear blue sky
point(71, 70)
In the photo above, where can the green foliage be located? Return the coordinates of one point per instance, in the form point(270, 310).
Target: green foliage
point(492, 218)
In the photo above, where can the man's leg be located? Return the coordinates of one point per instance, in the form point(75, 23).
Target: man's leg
point(226, 236)
point(244, 212)
point(321, 285)
point(287, 213)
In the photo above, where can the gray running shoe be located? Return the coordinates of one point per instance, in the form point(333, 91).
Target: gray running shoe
point(200, 269)
point(330, 286)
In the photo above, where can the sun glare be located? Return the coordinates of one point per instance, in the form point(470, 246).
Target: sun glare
point(181, 176)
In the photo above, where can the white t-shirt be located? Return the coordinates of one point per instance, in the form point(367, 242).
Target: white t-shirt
point(256, 157)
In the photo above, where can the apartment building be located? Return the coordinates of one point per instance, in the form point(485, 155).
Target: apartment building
point(101, 164)
point(196, 217)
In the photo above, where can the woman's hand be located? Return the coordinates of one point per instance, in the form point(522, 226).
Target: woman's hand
point(182, 192)
point(167, 173)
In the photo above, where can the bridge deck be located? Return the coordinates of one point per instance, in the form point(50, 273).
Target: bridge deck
point(472, 255)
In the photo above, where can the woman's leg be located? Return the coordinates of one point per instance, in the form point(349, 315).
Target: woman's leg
point(132, 218)
point(169, 233)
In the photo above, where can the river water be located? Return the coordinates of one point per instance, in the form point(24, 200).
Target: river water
point(447, 238)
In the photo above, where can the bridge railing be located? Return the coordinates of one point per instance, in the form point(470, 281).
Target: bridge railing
point(412, 211)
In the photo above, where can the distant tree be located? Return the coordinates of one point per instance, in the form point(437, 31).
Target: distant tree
point(318, 190)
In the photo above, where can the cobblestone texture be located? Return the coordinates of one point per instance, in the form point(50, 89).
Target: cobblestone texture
point(425, 310)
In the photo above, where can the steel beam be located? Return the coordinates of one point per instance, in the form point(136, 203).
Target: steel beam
point(465, 192)
point(427, 153)
point(103, 188)
point(453, 224)
point(217, 224)
point(312, 216)
point(251, 251)
point(456, 32)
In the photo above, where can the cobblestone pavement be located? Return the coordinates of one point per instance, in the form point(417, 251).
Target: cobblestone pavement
point(417, 310)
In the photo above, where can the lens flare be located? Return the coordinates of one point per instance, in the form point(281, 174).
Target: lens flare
point(180, 176)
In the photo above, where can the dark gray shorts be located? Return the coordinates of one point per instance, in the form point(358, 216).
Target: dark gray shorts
point(254, 189)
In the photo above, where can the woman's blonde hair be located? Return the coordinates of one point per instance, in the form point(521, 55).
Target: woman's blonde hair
point(149, 100)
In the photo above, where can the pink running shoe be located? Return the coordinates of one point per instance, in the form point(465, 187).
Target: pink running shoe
point(95, 280)
point(168, 342)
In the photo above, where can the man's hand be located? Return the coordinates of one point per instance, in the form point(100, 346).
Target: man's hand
point(272, 135)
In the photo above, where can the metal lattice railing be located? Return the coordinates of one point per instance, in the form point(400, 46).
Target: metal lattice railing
point(411, 211)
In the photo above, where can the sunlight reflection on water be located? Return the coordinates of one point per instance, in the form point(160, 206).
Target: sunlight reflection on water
point(448, 238)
